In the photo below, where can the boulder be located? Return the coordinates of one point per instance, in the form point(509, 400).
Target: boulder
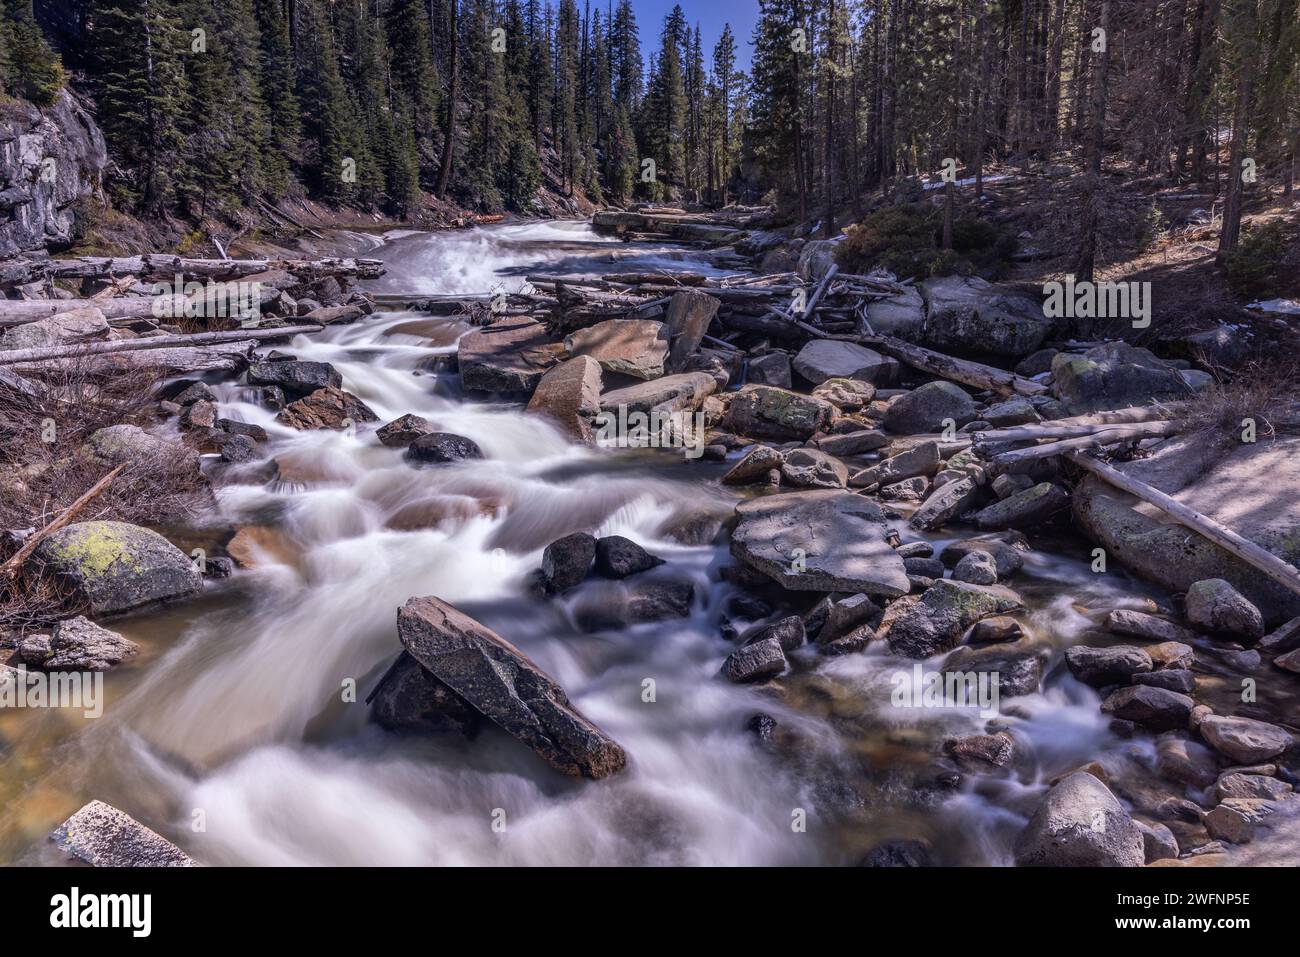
point(295, 378)
point(688, 318)
point(978, 568)
point(411, 699)
point(1015, 411)
point(569, 395)
point(1213, 605)
point(1188, 762)
point(754, 466)
point(1258, 786)
point(1018, 665)
point(566, 561)
point(1171, 679)
point(79, 644)
point(945, 504)
point(1124, 621)
point(823, 359)
point(1080, 823)
point(851, 443)
point(509, 355)
point(901, 315)
point(672, 393)
point(1008, 558)
point(501, 683)
point(847, 395)
point(102, 836)
point(765, 412)
point(619, 557)
point(815, 258)
point(819, 541)
point(763, 659)
point(116, 444)
point(634, 347)
point(922, 459)
point(1158, 841)
point(403, 430)
point(981, 751)
point(908, 490)
point(770, 369)
point(1114, 375)
point(327, 408)
point(899, 853)
point(1244, 740)
point(440, 448)
point(1171, 654)
point(937, 622)
point(789, 633)
point(968, 315)
point(64, 328)
point(843, 615)
point(810, 468)
point(1024, 509)
point(1155, 708)
point(926, 409)
point(113, 567)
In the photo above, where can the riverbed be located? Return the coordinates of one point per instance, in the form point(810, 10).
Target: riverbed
point(240, 732)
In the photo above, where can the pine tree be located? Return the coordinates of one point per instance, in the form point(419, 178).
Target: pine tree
point(283, 118)
point(30, 68)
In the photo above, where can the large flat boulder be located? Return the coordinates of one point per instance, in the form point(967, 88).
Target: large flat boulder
point(296, 378)
point(819, 541)
point(503, 684)
point(969, 315)
point(672, 393)
point(113, 567)
point(102, 836)
point(64, 328)
point(823, 359)
point(901, 316)
point(509, 355)
point(1254, 489)
point(569, 395)
point(634, 347)
point(927, 409)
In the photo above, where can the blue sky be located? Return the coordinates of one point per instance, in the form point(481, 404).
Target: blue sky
point(709, 14)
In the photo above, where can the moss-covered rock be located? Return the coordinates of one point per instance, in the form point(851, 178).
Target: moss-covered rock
point(766, 412)
point(114, 567)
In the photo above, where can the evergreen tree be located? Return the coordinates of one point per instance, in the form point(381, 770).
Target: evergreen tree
point(29, 68)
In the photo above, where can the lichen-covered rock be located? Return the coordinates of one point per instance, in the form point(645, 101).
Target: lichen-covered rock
point(1024, 509)
point(102, 836)
point(847, 395)
point(113, 567)
point(64, 328)
point(765, 412)
point(978, 568)
point(1080, 824)
point(929, 409)
point(937, 622)
point(1113, 376)
point(1213, 605)
point(922, 459)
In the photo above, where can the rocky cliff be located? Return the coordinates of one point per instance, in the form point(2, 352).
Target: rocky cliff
point(49, 159)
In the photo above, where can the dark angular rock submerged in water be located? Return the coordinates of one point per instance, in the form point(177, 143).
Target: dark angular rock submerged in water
point(297, 378)
point(501, 683)
point(566, 561)
point(410, 698)
point(439, 448)
point(619, 557)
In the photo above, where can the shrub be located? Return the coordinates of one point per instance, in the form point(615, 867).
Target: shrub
point(905, 239)
point(1253, 267)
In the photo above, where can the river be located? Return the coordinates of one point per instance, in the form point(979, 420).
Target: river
point(233, 733)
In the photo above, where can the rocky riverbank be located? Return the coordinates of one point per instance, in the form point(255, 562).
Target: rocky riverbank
point(879, 508)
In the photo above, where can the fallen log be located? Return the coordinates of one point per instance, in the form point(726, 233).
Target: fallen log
point(1088, 440)
point(10, 568)
point(224, 357)
point(1255, 555)
point(27, 356)
point(965, 371)
point(1061, 430)
point(16, 313)
point(162, 266)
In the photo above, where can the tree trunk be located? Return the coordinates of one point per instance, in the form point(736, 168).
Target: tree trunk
point(449, 137)
point(1084, 265)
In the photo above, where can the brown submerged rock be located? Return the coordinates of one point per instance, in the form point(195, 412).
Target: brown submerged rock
point(500, 682)
point(327, 408)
